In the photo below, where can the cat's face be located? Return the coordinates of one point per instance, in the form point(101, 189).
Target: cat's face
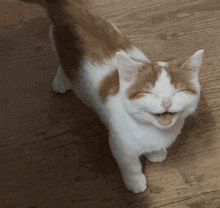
point(159, 93)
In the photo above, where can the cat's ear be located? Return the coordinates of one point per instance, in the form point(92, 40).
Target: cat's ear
point(127, 68)
point(194, 62)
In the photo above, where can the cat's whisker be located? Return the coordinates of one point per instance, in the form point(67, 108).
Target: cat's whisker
point(196, 117)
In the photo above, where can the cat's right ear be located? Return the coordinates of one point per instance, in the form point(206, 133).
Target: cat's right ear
point(127, 67)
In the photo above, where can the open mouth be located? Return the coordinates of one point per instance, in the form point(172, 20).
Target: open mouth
point(164, 119)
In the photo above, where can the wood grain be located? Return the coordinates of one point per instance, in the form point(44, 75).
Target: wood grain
point(54, 151)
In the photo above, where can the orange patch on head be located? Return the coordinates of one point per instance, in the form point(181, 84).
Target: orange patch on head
point(109, 85)
point(147, 76)
point(180, 77)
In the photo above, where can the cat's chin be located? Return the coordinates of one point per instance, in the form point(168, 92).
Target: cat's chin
point(165, 120)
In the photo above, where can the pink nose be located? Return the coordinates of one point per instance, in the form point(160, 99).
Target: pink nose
point(166, 103)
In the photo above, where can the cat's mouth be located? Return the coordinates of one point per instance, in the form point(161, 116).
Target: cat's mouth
point(164, 119)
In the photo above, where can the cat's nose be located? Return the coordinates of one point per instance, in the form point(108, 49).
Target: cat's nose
point(166, 103)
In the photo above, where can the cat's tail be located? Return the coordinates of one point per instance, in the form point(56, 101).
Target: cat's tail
point(60, 11)
point(64, 16)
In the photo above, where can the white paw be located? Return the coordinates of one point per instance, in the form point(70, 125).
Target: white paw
point(136, 184)
point(61, 83)
point(158, 156)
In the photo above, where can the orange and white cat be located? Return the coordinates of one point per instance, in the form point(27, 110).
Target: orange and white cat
point(143, 104)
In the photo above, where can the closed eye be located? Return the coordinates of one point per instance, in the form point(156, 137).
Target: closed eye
point(143, 93)
point(140, 94)
point(187, 91)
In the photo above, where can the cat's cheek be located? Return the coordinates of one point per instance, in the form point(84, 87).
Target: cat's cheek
point(182, 101)
point(189, 110)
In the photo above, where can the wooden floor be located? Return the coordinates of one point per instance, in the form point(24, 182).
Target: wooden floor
point(54, 151)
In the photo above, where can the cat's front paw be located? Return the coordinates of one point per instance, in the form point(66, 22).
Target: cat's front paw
point(157, 156)
point(61, 83)
point(137, 183)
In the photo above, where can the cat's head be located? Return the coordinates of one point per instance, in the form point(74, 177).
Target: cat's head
point(159, 93)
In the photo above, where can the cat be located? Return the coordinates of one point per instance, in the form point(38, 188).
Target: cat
point(143, 104)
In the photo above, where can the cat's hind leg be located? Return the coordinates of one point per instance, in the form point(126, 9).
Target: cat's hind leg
point(61, 83)
point(157, 156)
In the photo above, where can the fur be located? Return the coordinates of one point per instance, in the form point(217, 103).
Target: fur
point(143, 104)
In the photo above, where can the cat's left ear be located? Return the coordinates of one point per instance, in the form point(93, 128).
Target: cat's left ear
point(127, 68)
point(194, 62)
